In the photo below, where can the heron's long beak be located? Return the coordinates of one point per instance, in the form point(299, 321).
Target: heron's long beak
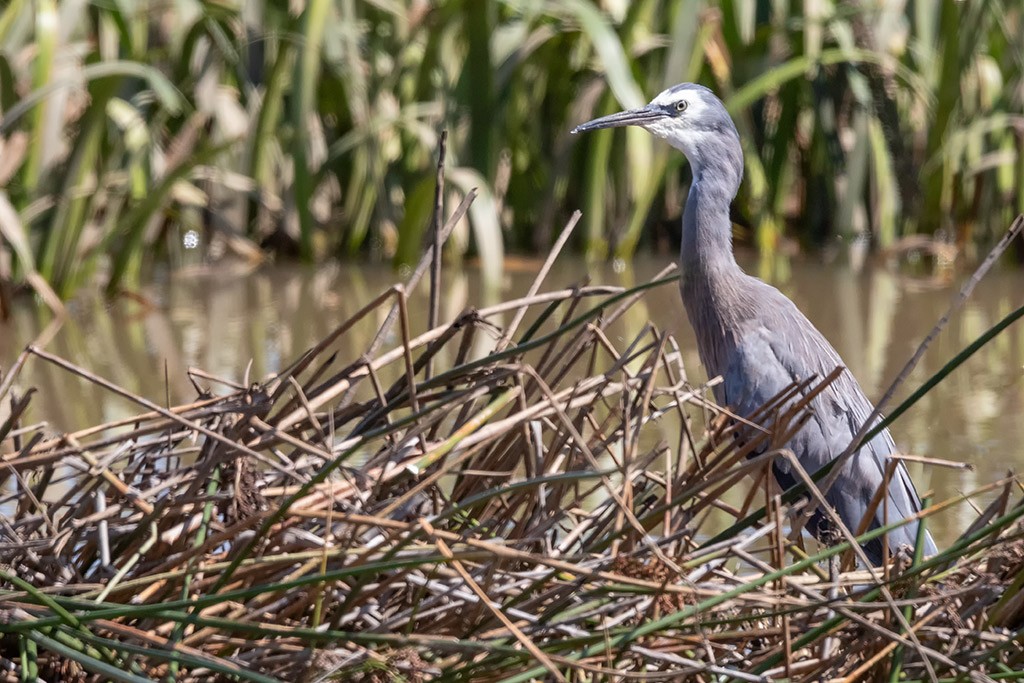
point(631, 117)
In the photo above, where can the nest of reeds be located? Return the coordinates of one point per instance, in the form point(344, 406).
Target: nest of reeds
point(480, 501)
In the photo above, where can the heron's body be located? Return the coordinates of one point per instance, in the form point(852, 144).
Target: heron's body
point(754, 337)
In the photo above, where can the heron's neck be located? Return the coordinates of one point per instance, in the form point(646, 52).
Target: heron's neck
point(706, 251)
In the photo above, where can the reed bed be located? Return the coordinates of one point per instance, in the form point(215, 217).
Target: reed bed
point(551, 508)
point(170, 132)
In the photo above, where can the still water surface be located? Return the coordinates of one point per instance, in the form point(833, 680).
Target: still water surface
point(223, 322)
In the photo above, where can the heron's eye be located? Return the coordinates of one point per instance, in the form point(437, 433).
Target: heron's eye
point(681, 106)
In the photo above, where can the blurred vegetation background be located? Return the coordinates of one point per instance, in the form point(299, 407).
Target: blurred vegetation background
point(135, 133)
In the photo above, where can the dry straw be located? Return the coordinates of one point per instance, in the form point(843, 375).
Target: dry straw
point(541, 512)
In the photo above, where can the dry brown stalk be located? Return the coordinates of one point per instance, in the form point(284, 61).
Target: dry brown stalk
point(545, 506)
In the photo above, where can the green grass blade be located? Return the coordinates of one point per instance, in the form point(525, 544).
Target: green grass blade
point(108, 671)
point(47, 27)
point(307, 77)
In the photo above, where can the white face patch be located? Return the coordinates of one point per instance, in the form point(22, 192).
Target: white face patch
point(686, 140)
point(673, 128)
point(666, 129)
point(698, 131)
point(695, 106)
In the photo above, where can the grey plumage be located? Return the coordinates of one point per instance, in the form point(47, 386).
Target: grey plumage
point(751, 334)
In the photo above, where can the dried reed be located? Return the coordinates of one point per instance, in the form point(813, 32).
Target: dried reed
point(541, 511)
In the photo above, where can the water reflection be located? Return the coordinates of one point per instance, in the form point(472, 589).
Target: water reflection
point(224, 323)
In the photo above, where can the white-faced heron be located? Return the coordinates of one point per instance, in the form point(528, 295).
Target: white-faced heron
point(753, 336)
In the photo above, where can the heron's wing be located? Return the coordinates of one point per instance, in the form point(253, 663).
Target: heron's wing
point(756, 371)
point(767, 360)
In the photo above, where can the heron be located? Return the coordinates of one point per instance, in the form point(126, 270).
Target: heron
point(756, 339)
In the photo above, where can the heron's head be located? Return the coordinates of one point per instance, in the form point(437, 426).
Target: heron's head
point(690, 118)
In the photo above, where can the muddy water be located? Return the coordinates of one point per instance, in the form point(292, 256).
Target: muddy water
point(256, 323)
